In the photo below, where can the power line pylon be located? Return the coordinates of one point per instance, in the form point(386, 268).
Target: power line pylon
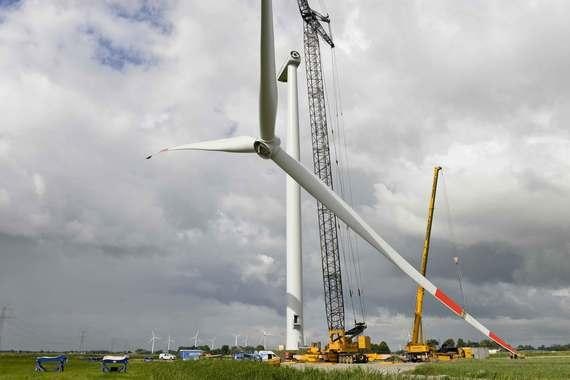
point(82, 341)
point(3, 317)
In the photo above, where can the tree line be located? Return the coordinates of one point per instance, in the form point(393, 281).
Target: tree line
point(449, 342)
point(383, 348)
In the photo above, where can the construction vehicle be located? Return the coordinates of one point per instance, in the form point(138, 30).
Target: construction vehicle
point(343, 350)
point(344, 346)
point(466, 352)
point(452, 353)
point(166, 356)
point(417, 349)
point(269, 357)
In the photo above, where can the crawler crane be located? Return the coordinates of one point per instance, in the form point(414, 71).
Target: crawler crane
point(341, 347)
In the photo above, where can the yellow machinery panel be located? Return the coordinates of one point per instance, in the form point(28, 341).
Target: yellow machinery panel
point(418, 348)
point(313, 354)
point(364, 342)
point(466, 352)
point(276, 362)
point(444, 357)
point(380, 357)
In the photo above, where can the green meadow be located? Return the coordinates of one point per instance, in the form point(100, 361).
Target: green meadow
point(15, 366)
point(534, 367)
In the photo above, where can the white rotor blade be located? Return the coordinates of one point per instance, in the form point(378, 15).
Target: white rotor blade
point(239, 144)
point(334, 203)
point(267, 78)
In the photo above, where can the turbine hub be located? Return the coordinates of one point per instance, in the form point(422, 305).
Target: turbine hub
point(264, 149)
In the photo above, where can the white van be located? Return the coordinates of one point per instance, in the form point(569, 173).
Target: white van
point(166, 356)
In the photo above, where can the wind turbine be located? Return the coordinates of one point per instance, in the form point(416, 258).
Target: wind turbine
point(267, 146)
point(169, 341)
point(153, 340)
point(195, 337)
point(265, 334)
point(236, 336)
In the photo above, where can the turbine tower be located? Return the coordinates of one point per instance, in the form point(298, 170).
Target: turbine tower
point(294, 290)
point(267, 146)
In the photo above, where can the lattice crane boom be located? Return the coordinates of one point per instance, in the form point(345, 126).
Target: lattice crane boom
point(328, 225)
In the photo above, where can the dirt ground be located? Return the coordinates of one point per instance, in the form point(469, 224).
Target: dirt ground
point(383, 368)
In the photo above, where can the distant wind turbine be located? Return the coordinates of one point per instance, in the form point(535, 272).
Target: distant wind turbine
point(169, 341)
point(267, 146)
point(195, 337)
point(153, 340)
point(236, 342)
point(265, 334)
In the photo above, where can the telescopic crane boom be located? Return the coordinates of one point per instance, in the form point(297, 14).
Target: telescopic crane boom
point(417, 349)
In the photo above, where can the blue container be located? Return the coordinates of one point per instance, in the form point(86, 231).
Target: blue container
point(190, 354)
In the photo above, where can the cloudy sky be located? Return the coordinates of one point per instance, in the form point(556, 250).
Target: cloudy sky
point(93, 237)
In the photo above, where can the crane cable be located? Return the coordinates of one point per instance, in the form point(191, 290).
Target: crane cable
point(355, 249)
point(352, 240)
point(456, 256)
point(342, 240)
point(339, 139)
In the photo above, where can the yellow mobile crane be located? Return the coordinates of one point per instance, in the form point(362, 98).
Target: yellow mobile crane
point(417, 349)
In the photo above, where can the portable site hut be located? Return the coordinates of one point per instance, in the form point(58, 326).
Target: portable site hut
point(190, 354)
point(111, 363)
point(57, 362)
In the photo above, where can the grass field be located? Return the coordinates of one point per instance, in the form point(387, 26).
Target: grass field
point(16, 367)
point(543, 367)
point(531, 368)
